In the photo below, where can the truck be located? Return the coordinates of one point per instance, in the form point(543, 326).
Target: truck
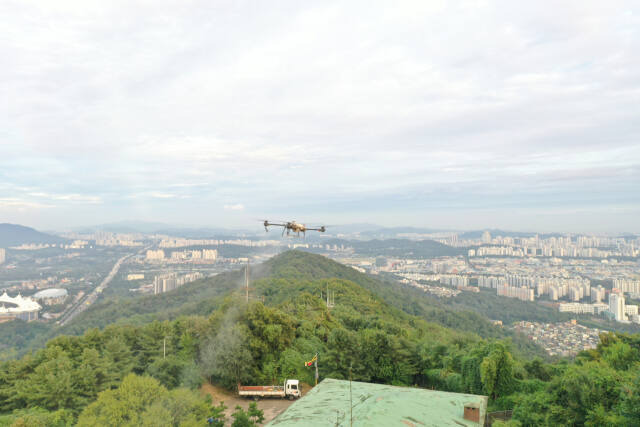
point(290, 389)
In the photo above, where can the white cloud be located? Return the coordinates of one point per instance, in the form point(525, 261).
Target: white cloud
point(6, 202)
point(236, 207)
point(129, 103)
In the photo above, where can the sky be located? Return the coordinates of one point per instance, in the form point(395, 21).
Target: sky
point(439, 114)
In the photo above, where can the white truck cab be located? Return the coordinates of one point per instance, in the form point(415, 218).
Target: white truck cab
point(292, 388)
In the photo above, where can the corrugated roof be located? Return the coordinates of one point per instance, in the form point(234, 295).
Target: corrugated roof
point(378, 405)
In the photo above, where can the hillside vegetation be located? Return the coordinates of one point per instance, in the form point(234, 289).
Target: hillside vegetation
point(101, 376)
point(204, 296)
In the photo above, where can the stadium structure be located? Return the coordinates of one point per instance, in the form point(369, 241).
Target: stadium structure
point(19, 307)
point(51, 296)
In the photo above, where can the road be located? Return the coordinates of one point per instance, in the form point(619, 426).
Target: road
point(89, 299)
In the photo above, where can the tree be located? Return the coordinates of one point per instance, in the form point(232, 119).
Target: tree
point(216, 415)
point(629, 405)
point(39, 417)
point(256, 415)
point(167, 370)
point(143, 401)
point(537, 369)
point(581, 389)
point(227, 358)
point(120, 354)
point(496, 371)
point(470, 370)
point(241, 418)
point(620, 355)
point(533, 409)
point(51, 385)
point(125, 405)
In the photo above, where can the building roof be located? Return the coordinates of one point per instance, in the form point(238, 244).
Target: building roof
point(50, 293)
point(18, 304)
point(377, 404)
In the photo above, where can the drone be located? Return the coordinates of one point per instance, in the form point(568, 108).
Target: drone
point(293, 227)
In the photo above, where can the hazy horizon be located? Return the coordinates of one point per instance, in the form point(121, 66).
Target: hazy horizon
point(251, 228)
point(448, 115)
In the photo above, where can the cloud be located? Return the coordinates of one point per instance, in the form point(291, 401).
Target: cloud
point(236, 207)
point(75, 198)
point(21, 204)
point(297, 104)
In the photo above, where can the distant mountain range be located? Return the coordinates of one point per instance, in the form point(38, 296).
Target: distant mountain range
point(162, 228)
point(477, 234)
point(16, 235)
point(365, 231)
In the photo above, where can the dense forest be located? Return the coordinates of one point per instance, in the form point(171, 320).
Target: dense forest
point(148, 372)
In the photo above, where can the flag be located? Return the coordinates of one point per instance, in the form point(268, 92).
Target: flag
point(310, 363)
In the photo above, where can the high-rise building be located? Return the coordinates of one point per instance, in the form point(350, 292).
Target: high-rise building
point(627, 285)
point(164, 283)
point(597, 294)
point(210, 254)
point(169, 282)
point(616, 306)
point(486, 237)
point(3, 255)
point(522, 293)
point(155, 255)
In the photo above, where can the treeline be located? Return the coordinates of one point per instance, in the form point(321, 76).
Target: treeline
point(250, 343)
point(602, 388)
point(204, 296)
point(467, 317)
point(80, 379)
point(201, 297)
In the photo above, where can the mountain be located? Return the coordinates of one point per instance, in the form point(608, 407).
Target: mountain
point(477, 234)
point(161, 228)
point(374, 331)
point(204, 296)
point(391, 232)
point(127, 227)
point(16, 235)
point(207, 295)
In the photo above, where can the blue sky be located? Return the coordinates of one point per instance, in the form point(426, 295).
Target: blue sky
point(438, 114)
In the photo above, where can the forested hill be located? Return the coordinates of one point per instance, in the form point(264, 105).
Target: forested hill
point(305, 266)
point(289, 270)
point(15, 235)
point(146, 373)
point(294, 267)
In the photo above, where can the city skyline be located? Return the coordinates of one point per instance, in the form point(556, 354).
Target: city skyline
point(432, 114)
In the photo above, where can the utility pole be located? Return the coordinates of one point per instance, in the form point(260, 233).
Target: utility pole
point(316, 362)
point(350, 398)
point(164, 348)
point(327, 295)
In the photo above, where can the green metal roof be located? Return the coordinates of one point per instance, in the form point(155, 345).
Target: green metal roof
point(378, 405)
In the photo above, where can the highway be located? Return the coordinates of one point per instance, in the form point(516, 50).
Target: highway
point(86, 301)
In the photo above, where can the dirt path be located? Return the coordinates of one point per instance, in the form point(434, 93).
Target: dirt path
point(272, 407)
